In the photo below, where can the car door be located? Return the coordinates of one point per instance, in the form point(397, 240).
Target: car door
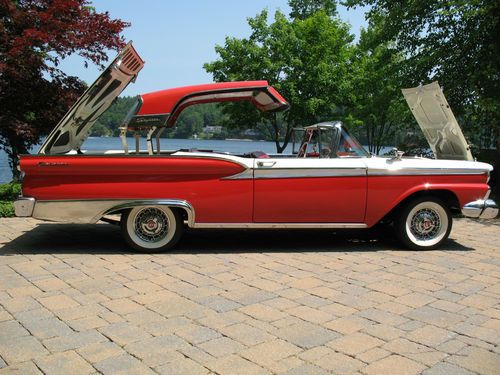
point(309, 190)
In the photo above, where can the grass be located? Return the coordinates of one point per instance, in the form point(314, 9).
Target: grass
point(8, 193)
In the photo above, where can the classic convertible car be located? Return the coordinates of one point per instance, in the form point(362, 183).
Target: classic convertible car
point(329, 180)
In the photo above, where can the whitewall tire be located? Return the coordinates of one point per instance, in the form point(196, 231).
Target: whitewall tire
point(151, 228)
point(424, 223)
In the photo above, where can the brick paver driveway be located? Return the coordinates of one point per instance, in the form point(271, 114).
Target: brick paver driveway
point(74, 300)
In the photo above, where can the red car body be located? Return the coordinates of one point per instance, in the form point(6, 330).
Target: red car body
point(157, 192)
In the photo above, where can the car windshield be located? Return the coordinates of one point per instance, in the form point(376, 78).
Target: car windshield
point(326, 140)
point(349, 146)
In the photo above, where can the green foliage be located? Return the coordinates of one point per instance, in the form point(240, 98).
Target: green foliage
point(6, 209)
point(8, 193)
point(34, 37)
point(455, 42)
point(377, 111)
point(305, 59)
point(108, 124)
point(306, 8)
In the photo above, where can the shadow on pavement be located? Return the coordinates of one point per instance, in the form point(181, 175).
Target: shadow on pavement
point(106, 239)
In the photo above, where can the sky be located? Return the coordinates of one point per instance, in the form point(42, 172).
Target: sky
point(176, 38)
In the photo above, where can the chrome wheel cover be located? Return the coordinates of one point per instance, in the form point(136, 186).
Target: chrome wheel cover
point(151, 227)
point(427, 224)
point(151, 224)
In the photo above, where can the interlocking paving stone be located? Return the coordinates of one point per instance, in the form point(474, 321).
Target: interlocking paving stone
point(182, 366)
point(122, 364)
point(221, 346)
point(124, 333)
point(20, 349)
point(339, 363)
point(47, 328)
point(25, 368)
point(10, 329)
point(355, 343)
point(100, 351)
point(430, 335)
point(443, 368)
point(246, 334)
point(196, 334)
point(157, 350)
point(58, 302)
point(228, 365)
point(64, 363)
point(250, 304)
point(267, 353)
point(306, 335)
point(478, 360)
point(394, 365)
point(73, 341)
point(307, 369)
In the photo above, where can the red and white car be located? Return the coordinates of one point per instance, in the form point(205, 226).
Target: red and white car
point(329, 182)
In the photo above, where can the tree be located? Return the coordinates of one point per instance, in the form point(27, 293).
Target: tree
point(34, 36)
point(305, 59)
point(377, 109)
point(455, 42)
point(301, 9)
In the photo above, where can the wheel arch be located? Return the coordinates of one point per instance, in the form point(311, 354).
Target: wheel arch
point(182, 206)
point(447, 196)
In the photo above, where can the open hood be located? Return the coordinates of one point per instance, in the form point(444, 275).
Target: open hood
point(162, 108)
point(441, 129)
point(74, 128)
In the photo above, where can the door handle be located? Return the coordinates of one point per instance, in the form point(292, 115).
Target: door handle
point(265, 163)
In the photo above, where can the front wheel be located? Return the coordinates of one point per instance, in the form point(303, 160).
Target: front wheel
point(151, 229)
point(424, 223)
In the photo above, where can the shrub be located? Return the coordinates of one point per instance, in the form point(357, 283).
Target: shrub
point(6, 209)
point(8, 193)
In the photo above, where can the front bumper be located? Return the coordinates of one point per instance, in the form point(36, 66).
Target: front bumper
point(24, 206)
point(481, 209)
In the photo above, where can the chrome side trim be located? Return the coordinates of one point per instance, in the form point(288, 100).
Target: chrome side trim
point(265, 173)
point(90, 211)
point(481, 209)
point(424, 171)
point(280, 225)
point(307, 172)
point(23, 206)
point(247, 174)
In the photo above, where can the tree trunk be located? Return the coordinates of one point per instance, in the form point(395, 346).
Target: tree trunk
point(13, 152)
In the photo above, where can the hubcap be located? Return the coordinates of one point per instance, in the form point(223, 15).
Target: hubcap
point(425, 224)
point(151, 224)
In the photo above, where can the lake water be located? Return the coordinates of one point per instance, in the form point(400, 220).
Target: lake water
point(114, 143)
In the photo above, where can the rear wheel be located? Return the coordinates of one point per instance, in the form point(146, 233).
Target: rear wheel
point(151, 229)
point(424, 223)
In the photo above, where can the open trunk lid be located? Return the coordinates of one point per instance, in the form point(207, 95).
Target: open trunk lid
point(74, 128)
point(432, 112)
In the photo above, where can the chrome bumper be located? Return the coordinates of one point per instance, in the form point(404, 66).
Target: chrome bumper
point(481, 209)
point(24, 206)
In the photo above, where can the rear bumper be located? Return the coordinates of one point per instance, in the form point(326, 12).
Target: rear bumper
point(481, 209)
point(24, 206)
